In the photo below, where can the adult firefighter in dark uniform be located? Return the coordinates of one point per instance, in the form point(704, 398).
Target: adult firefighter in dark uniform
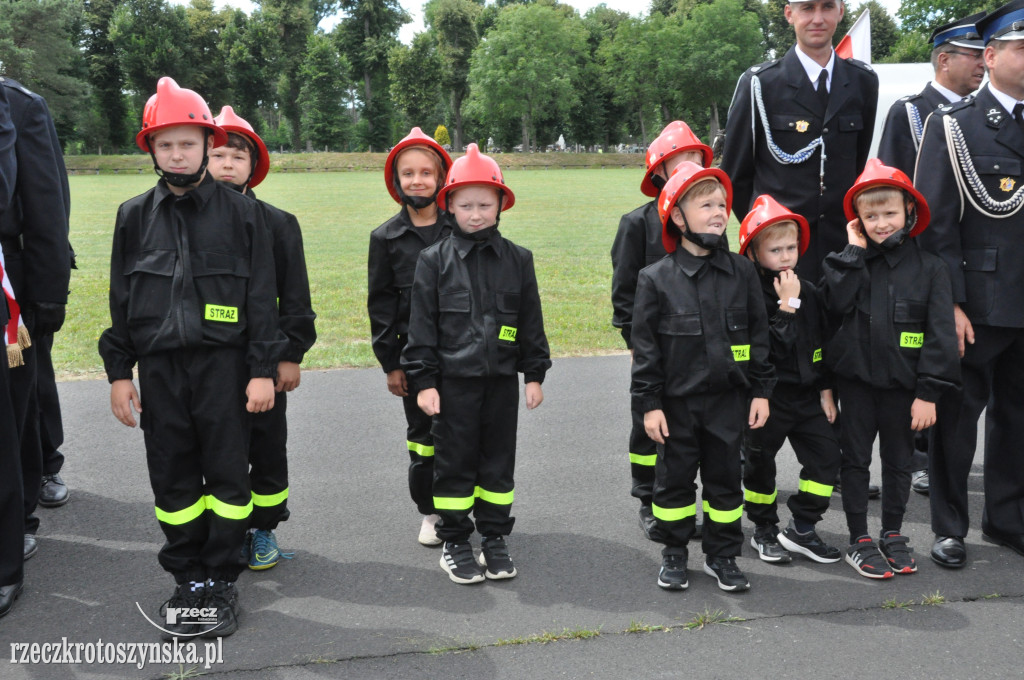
point(799, 129)
point(959, 70)
point(971, 171)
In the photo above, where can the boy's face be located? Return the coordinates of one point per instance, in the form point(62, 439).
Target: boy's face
point(228, 164)
point(814, 22)
point(417, 172)
point(668, 167)
point(179, 149)
point(475, 207)
point(779, 250)
point(705, 214)
point(882, 220)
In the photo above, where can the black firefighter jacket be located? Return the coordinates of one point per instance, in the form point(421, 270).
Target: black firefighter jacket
point(897, 327)
point(798, 338)
point(475, 313)
point(190, 272)
point(637, 244)
point(699, 325)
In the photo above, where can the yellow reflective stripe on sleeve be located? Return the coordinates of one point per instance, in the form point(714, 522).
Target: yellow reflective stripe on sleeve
point(640, 459)
point(741, 352)
point(424, 450)
point(270, 500)
point(183, 516)
point(815, 488)
point(448, 503)
point(494, 497)
point(912, 340)
point(673, 514)
point(227, 510)
point(723, 516)
point(762, 498)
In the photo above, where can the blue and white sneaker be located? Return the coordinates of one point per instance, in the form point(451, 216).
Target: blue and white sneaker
point(263, 551)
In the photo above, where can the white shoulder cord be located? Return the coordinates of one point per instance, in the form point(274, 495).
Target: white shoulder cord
point(916, 126)
point(777, 153)
point(967, 176)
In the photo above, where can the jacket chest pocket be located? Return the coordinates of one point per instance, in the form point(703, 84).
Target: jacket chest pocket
point(507, 306)
point(150, 284)
point(454, 318)
point(847, 146)
point(793, 132)
point(222, 283)
point(909, 318)
point(1000, 174)
point(738, 325)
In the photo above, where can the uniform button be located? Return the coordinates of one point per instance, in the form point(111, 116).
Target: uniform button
point(824, 129)
point(821, 217)
point(995, 167)
point(791, 125)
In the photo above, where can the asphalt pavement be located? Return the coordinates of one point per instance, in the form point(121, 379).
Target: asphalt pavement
point(362, 599)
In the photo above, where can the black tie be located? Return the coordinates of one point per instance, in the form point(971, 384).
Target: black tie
point(822, 88)
point(1018, 115)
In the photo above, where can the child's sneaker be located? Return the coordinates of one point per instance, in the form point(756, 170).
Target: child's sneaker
point(867, 559)
point(457, 559)
point(186, 596)
point(224, 597)
point(766, 542)
point(494, 555)
point(724, 569)
point(809, 544)
point(673, 570)
point(895, 549)
point(428, 531)
point(263, 552)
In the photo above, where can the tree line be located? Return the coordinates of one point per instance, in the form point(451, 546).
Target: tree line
point(518, 72)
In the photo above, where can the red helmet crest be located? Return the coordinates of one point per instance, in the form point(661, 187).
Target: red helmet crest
point(766, 212)
point(876, 174)
point(173, 105)
point(475, 168)
point(676, 138)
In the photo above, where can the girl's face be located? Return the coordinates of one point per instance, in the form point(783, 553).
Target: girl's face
point(417, 171)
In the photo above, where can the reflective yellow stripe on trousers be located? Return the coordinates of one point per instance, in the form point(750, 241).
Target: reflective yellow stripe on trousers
point(815, 488)
point(270, 500)
point(424, 450)
point(641, 459)
point(762, 498)
point(192, 512)
point(673, 514)
point(722, 516)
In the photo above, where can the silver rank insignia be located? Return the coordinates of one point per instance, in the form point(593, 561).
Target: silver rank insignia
point(802, 125)
point(1007, 184)
point(994, 116)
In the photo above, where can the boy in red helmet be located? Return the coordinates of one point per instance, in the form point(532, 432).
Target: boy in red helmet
point(242, 163)
point(413, 173)
point(475, 323)
point(894, 354)
point(193, 303)
point(638, 244)
point(802, 406)
point(700, 361)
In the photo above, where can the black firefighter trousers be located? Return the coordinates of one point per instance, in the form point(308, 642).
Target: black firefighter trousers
point(268, 461)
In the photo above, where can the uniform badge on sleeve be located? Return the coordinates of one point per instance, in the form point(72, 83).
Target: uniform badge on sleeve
point(1007, 184)
point(802, 125)
point(994, 116)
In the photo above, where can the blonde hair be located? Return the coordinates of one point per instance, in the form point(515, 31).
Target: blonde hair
point(705, 187)
point(875, 196)
point(776, 231)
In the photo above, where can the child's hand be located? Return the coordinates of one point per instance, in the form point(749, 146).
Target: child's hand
point(922, 415)
point(429, 401)
point(828, 405)
point(787, 285)
point(397, 383)
point(288, 376)
point(855, 234)
point(123, 396)
point(534, 395)
point(964, 329)
point(758, 413)
point(656, 425)
point(260, 392)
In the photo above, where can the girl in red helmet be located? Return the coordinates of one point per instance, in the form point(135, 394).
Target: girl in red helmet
point(475, 323)
point(894, 354)
point(413, 173)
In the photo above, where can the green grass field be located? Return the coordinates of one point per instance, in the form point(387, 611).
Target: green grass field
point(567, 218)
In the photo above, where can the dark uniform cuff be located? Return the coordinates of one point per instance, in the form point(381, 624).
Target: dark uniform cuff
point(263, 370)
point(646, 403)
point(533, 377)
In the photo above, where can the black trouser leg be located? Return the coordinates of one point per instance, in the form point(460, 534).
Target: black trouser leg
point(51, 425)
point(421, 455)
point(268, 465)
point(1004, 434)
point(857, 436)
point(26, 413)
point(496, 476)
point(12, 509)
point(814, 442)
point(895, 448)
point(643, 453)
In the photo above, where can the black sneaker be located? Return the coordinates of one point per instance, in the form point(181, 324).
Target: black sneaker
point(457, 559)
point(867, 559)
point(766, 542)
point(184, 597)
point(494, 555)
point(673, 570)
point(647, 521)
point(224, 597)
point(895, 549)
point(729, 576)
point(809, 544)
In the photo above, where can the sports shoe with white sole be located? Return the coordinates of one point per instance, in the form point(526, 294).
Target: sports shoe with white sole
point(458, 561)
point(809, 545)
point(673, 571)
point(895, 549)
point(494, 556)
point(865, 557)
point(766, 542)
point(725, 571)
point(428, 531)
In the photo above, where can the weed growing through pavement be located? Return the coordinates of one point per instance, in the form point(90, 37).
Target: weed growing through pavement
point(992, 596)
point(184, 673)
point(934, 598)
point(891, 603)
point(546, 637)
point(455, 649)
point(641, 627)
point(708, 618)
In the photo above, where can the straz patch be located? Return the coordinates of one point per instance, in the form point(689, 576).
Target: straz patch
point(507, 333)
point(816, 356)
point(221, 313)
point(912, 340)
point(741, 352)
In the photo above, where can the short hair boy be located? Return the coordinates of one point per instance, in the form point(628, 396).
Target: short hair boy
point(638, 244)
point(893, 355)
point(242, 164)
point(700, 361)
point(475, 322)
point(802, 406)
point(193, 302)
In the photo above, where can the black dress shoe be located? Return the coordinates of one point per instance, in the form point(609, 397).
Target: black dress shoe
point(873, 491)
point(54, 492)
point(949, 551)
point(8, 594)
point(1014, 542)
point(919, 482)
point(31, 546)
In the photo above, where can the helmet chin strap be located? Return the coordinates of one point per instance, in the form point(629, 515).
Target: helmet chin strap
point(702, 240)
point(896, 239)
point(178, 179)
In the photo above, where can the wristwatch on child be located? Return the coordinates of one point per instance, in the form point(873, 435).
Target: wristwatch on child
point(792, 302)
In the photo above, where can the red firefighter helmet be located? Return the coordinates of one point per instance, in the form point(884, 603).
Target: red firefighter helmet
point(876, 174)
point(173, 105)
point(682, 180)
point(416, 137)
point(766, 212)
point(676, 138)
point(475, 168)
point(230, 121)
